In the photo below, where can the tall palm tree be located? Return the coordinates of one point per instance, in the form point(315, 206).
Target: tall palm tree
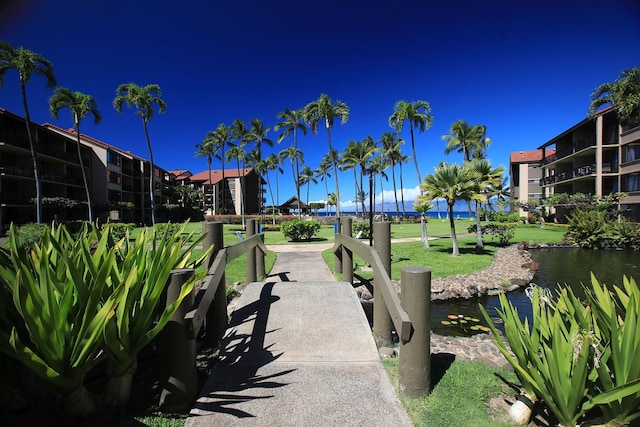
point(377, 167)
point(392, 152)
point(347, 163)
point(332, 199)
point(324, 109)
point(258, 133)
point(308, 176)
point(142, 99)
point(360, 153)
point(292, 122)
point(417, 114)
point(27, 63)
point(470, 140)
point(323, 173)
point(209, 149)
point(221, 139)
point(80, 105)
point(402, 160)
point(623, 93)
point(238, 154)
point(273, 164)
point(484, 178)
point(450, 182)
point(295, 156)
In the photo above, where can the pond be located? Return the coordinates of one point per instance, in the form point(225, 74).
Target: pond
point(572, 266)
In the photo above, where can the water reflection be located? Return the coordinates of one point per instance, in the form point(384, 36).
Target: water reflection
point(557, 265)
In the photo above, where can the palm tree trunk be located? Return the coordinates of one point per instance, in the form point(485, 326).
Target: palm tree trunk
point(84, 173)
point(395, 188)
point(335, 170)
point(151, 175)
point(401, 193)
point(415, 158)
point(34, 154)
point(479, 243)
point(213, 200)
point(452, 224)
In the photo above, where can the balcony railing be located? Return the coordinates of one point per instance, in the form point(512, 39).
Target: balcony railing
point(582, 171)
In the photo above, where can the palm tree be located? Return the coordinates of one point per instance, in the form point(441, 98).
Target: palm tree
point(292, 121)
point(142, 99)
point(623, 93)
point(401, 161)
point(347, 163)
point(377, 167)
point(450, 182)
point(359, 153)
point(27, 63)
point(208, 148)
point(417, 113)
point(273, 164)
point(323, 173)
point(422, 208)
point(484, 178)
point(307, 176)
point(332, 200)
point(221, 138)
point(391, 150)
point(238, 154)
point(258, 133)
point(80, 105)
point(295, 156)
point(470, 140)
point(324, 109)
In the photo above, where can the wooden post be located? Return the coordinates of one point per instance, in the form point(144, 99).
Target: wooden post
point(415, 355)
point(338, 258)
point(260, 268)
point(347, 255)
point(217, 319)
point(178, 373)
point(251, 254)
point(382, 323)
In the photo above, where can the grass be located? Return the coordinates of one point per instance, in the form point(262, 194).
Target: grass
point(459, 395)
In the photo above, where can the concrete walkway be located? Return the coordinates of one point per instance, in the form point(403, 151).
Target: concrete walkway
point(298, 352)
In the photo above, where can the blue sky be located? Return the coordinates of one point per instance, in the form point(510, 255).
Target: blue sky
point(525, 69)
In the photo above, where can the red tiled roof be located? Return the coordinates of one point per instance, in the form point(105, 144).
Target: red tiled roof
point(529, 156)
point(87, 138)
point(216, 175)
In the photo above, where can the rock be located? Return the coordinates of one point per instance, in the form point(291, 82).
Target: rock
point(386, 352)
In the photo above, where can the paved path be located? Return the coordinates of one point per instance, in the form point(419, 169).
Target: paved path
point(298, 352)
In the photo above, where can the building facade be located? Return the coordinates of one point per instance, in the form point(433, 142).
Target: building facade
point(118, 180)
point(597, 156)
point(526, 178)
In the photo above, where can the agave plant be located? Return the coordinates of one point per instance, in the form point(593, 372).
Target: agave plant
point(617, 315)
point(558, 356)
point(143, 269)
point(57, 291)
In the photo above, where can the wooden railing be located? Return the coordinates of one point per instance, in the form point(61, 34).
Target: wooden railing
point(410, 314)
point(208, 308)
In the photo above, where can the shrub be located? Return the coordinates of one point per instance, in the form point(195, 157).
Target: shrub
point(504, 231)
point(270, 227)
point(166, 227)
point(589, 228)
point(118, 229)
point(30, 234)
point(363, 227)
point(297, 230)
point(626, 235)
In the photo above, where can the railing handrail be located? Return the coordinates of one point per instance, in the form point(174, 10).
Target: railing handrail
point(194, 319)
point(399, 316)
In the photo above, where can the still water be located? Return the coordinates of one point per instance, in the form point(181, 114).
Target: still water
point(569, 266)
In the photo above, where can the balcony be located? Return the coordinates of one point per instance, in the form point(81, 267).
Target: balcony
point(17, 171)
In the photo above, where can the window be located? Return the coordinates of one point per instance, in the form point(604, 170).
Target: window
point(114, 177)
point(113, 158)
point(631, 152)
point(631, 182)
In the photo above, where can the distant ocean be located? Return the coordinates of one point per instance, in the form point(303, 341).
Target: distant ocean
point(443, 215)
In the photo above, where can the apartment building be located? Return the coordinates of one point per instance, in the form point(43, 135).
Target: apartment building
point(118, 179)
point(597, 156)
point(526, 176)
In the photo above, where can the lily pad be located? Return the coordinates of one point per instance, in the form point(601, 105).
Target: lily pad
point(452, 317)
point(445, 322)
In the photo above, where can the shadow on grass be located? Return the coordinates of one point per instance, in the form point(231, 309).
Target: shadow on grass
point(311, 240)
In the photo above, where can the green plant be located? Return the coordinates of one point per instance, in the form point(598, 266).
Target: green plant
point(626, 235)
point(297, 230)
point(143, 268)
point(57, 290)
point(166, 227)
point(30, 234)
point(363, 227)
point(505, 231)
point(588, 228)
point(118, 229)
point(617, 316)
point(556, 356)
